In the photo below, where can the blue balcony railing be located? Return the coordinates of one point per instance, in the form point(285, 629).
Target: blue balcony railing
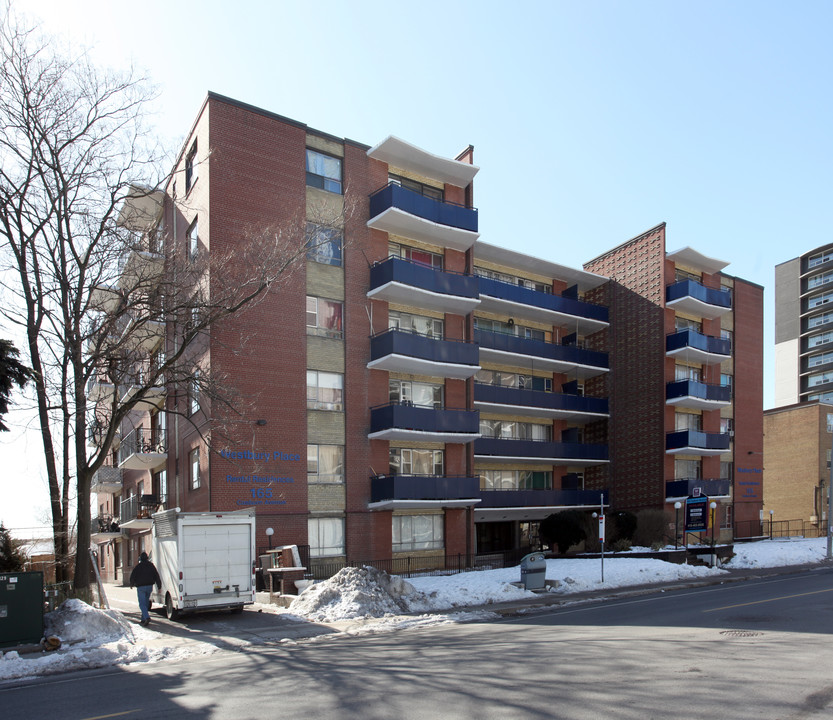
point(696, 439)
point(425, 419)
point(693, 289)
point(438, 211)
point(703, 391)
point(423, 487)
point(539, 399)
point(685, 487)
point(540, 498)
point(538, 348)
point(545, 301)
point(503, 447)
point(401, 342)
point(396, 269)
point(698, 341)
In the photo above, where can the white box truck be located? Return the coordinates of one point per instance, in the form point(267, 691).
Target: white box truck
point(206, 560)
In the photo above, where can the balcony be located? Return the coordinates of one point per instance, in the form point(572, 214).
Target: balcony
point(523, 352)
point(505, 298)
point(537, 403)
point(140, 270)
point(409, 283)
point(401, 154)
point(100, 389)
point(104, 528)
point(95, 436)
point(142, 335)
point(387, 488)
point(153, 399)
point(697, 395)
point(400, 211)
point(135, 512)
point(402, 351)
point(687, 487)
point(539, 451)
point(689, 296)
point(143, 449)
point(412, 422)
point(695, 442)
point(533, 504)
point(106, 480)
point(105, 299)
point(692, 346)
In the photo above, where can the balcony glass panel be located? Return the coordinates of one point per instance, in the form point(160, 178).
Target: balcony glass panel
point(400, 342)
point(693, 289)
point(437, 211)
point(537, 398)
point(425, 278)
point(697, 439)
point(685, 487)
point(703, 391)
point(698, 341)
point(413, 417)
point(546, 301)
point(416, 487)
point(538, 348)
point(539, 449)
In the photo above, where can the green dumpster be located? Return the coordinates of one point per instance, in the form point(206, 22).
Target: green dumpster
point(21, 608)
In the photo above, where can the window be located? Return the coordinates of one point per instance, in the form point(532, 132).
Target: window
point(818, 320)
point(191, 168)
point(821, 378)
point(680, 275)
point(323, 171)
point(326, 536)
point(819, 259)
point(727, 335)
point(819, 359)
point(687, 372)
point(819, 280)
point(193, 236)
point(417, 532)
point(726, 470)
point(417, 461)
point(821, 397)
point(725, 380)
point(687, 469)
point(423, 257)
point(194, 465)
point(687, 421)
point(516, 480)
point(820, 339)
point(511, 430)
point(160, 484)
point(325, 463)
point(324, 317)
point(193, 398)
point(822, 299)
point(727, 425)
point(325, 391)
point(408, 392)
point(417, 187)
point(324, 244)
point(682, 323)
point(727, 516)
point(514, 280)
point(513, 380)
point(418, 324)
point(511, 328)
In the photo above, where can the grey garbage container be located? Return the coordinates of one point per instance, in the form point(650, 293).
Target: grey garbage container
point(534, 571)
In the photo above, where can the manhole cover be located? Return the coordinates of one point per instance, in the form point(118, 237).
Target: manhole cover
point(740, 633)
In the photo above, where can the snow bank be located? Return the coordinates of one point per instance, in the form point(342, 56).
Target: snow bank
point(76, 622)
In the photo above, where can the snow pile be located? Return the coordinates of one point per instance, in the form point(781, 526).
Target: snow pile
point(92, 638)
point(358, 593)
point(779, 553)
point(76, 622)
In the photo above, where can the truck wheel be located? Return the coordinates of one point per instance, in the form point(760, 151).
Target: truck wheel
point(237, 610)
point(170, 611)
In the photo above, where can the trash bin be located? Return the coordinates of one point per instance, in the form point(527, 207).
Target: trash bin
point(534, 571)
point(21, 608)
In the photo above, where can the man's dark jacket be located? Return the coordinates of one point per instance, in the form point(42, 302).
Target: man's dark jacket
point(145, 573)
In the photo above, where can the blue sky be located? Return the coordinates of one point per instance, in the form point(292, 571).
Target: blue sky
point(591, 121)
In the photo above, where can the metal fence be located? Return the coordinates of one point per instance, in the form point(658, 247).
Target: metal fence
point(756, 529)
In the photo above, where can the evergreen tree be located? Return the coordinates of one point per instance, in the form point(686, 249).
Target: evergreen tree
point(11, 557)
point(11, 373)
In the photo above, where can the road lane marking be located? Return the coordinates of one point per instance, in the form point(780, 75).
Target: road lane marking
point(758, 602)
point(118, 714)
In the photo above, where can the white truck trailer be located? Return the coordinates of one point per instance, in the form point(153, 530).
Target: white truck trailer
point(206, 560)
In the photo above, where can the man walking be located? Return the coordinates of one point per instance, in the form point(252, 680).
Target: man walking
point(143, 578)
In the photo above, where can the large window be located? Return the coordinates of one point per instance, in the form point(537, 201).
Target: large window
point(418, 324)
point(822, 299)
point(688, 421)
point(817, 320)
point(513, 380)
point(324, 244)
point(326, 536)
point(819, 379)
point(325, 463)
point(682, 323)
point(820, 339)
point(194, 393)
point(193, 236)
point(687, 372)
point(194, 465)
point(819, 359)
point(819, 280)
point(515, 480)
point(511, 328)
point(687, 469)
point(423, 257)
point(323, 171)
point(417, 532)
point(417, 187)
point(160, 484)
point(324, 317)
point(416, 461)
point(511, 430)
point(514, 280)
point(325, 391)
point(416, 393)
point(819, 258)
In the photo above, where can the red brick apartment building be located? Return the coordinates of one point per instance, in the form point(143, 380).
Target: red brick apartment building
point(410, 390)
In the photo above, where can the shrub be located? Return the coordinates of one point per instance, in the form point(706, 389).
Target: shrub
point(624, 523)
point(650, 528)
point(621, 545)
point(563, 529)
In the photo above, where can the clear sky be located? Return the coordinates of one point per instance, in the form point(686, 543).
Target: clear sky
point(592, 121)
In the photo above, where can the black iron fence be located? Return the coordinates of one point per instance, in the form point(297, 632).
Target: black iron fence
point(756, 529)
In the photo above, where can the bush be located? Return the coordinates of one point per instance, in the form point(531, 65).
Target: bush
point(621, 545)
point(563, 529)
point(624, 525)
point(650, 528)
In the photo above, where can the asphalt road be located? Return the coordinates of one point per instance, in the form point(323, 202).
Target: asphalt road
point(755, 649)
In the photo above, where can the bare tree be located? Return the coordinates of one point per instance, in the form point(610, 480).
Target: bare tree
point(88, 268)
